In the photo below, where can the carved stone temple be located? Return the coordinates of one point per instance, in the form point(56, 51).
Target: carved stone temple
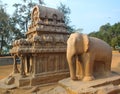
point(43, 52)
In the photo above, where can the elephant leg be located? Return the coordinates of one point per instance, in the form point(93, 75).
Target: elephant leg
point(108, 66)
point(79, 68)
point(88, 76)
point(72, 67)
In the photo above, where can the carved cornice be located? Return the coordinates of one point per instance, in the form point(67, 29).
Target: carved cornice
point(15, 50)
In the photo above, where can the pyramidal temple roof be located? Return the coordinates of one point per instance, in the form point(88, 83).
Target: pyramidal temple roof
point(46, 12)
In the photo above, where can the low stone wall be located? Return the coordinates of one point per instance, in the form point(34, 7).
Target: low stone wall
point(7, 60)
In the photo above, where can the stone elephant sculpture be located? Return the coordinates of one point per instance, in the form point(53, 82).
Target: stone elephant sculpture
point(87, 51)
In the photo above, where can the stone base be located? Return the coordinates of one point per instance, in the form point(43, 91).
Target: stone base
point(30, 80)
point(20, 81)
point(48, 79)
point(109, 85)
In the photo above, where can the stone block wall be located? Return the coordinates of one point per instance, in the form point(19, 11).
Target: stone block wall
point(6, 60)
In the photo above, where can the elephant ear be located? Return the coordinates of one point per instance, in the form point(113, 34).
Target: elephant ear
point(85, 42)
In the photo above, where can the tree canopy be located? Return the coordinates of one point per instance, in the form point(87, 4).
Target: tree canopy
point(8, 31)
point(109, 33)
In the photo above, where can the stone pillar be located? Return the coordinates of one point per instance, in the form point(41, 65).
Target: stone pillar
point(22, 66)
point(25, 65)
point(34, 64)
point(31, 64)
point(46, 64)
point(56, 63)
point(15, 69)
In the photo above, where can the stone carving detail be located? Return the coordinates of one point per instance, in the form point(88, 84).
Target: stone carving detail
point(43, 52)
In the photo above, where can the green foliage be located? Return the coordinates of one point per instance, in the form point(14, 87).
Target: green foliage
point(8, 31)
point(109, 33)
point(4, 33)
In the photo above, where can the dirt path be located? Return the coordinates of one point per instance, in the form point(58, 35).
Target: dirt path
point(5, 71)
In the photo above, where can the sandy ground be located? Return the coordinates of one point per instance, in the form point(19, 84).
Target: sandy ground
point(6, 70)
point(116, 61)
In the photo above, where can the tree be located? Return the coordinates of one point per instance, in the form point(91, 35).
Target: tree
point(115, 33)
point(8, 30)
point(105, 28)
point(66, 10)
point(4, 18)
point(109, 33)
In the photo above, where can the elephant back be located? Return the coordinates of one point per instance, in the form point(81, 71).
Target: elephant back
point(99, 46)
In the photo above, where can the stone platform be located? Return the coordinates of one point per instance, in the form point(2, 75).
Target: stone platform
point(109, 85)
point(15, 80)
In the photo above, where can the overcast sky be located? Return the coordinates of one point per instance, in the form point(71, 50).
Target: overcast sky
point(86, 14)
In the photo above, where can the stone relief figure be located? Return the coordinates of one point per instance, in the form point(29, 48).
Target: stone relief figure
point(48, 39)
point(59, 40)
point(35, 17)
point(87, 51)
point(54, 18)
